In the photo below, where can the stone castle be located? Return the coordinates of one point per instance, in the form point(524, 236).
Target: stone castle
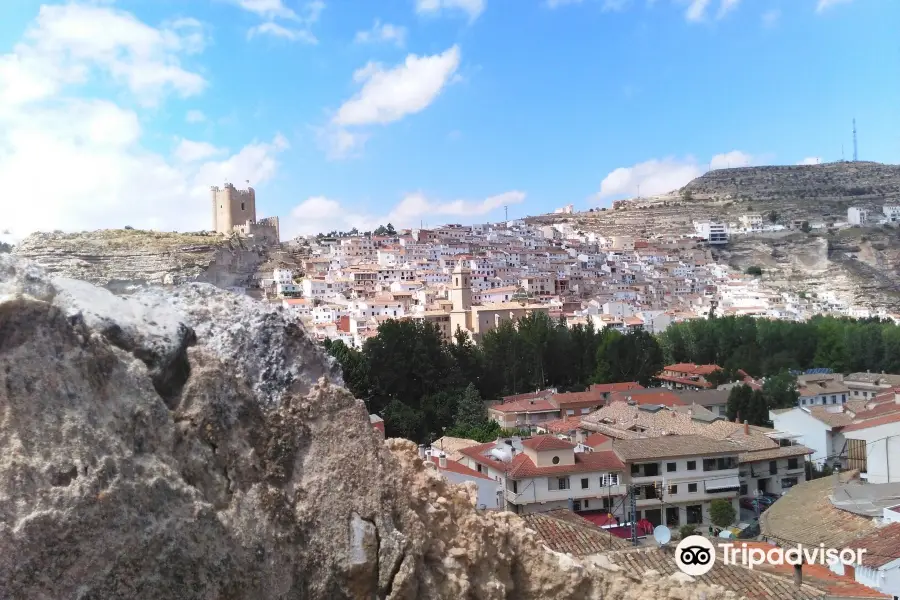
point(234, 211)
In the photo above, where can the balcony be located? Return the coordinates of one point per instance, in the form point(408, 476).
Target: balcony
point(531, 496)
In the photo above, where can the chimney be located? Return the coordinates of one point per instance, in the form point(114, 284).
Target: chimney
point(442, 460)
point(746, 427)
point(798, 575)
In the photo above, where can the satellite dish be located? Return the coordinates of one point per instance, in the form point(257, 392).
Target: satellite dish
point(662, 535)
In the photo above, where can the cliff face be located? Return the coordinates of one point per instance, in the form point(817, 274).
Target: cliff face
point(120, 258)
point(192, 445)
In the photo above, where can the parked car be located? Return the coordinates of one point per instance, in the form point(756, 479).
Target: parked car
point(750, 532)
point(750, 502)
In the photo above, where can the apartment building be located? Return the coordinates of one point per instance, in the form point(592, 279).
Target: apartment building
point(678, 476)
point(531, 411)
point(687, 376)
point(822, 391)
point(868, 385)
point(773, 471)
point(544, 473)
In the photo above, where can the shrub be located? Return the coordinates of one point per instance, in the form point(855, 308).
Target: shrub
point(687, 530)
point(754, 270)
point(722, 513)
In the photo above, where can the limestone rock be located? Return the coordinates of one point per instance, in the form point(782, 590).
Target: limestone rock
point(173, 446)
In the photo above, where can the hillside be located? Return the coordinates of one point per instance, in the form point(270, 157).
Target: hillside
point(861, 263)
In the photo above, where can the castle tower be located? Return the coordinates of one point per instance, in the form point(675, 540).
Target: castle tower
point(232, 207)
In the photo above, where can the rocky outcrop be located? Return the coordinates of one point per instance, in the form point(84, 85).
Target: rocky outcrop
point(194, 445)
point(121, 259)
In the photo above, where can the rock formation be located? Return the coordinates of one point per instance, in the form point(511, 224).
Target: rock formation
point(123, 258)
point(194, 445)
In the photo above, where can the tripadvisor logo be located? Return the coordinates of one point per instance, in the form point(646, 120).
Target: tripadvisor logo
point(695, 555)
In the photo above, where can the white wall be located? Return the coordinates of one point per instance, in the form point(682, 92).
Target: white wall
point(882, 452)
point(813, 433)
point(489, 490)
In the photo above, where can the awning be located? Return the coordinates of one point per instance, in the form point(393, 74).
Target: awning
point(724, 484)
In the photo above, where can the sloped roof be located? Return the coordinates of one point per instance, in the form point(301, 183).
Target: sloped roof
point(564, 531)
point(806, 515)
point(522, 467)
point(671, 446)
point(774, 453)
point(547, 442)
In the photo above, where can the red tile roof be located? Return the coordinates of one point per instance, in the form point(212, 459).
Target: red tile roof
point(648, 397)
point(547, 442)
point(460, 469)
point(596, 439)
point(561, 425)
point(890, 418)
point(882, 546)
point(606, 388)
point(525, 406)
point(685, 381)
point(692, 369)
point(522, 467)
point(577, 399)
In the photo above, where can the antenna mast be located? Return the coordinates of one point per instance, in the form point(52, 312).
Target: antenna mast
point(506, 211)
point(855, 155)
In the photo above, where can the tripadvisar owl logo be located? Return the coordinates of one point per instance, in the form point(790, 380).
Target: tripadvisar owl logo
point(695, 555)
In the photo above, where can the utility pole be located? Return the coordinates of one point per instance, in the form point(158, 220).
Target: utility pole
point(855, 155)
point(633, 500)
point(506, 212)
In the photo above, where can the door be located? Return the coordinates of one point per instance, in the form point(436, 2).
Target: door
point(654, 516)
point(763, 485)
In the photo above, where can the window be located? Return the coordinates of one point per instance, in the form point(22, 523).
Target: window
point(773, 467)
point(576, 505)
point(673, 490)
point(515, 487)
point(635, 469)
point(856, 392)
point(843, 397)
point(834, 399)
point(743, 491)
point(694, 514)
point(584, 483)
point(788, 482)
point(570, 411)
point(692, 465)
point(585, 504)
point(671, 467)
point(792, 463)
point(692, 488)
point(242, 206)
point(558, 483)
point(609, 479)
point(555, 460)
point(803, 401)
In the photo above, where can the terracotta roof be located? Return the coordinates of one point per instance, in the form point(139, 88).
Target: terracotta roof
point(818, 576)
point(662, 397)
point(672, 446)
point(595, 439)
point(773, 453)
point(522, 467)
point(685, 381)
point(547, 442)
point(460, 469)
point(564, 531)
point(856, 426)
point(751, 584)
point(882, 546)
point(523, 406)
point(806, 515)
point(692, 369)
point(832, 419)
point(606, 388)
point(703, 397)
point(561, 425)
point(451, 446)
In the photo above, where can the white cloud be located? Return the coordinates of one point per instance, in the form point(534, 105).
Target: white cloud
point(195, 116)
point(300, 29)
point(696, 10)
point(558, 3)
point(80, 162)
point(280, 31)
point(320, 214)
point(340, 143)
point(383, 32)
point(390, 95)
point(824, 5)
point(473, 8)
point(189, 151)
point(810, 160)
point(771, 17)
point(69, 43)
point(658, 176)
point(726, 6)
point(615, 5)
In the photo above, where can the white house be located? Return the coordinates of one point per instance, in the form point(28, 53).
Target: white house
point(892, 212)
point(857, 216)
point(489, 490)
point(879, 568)
point(283, 276)
point(774, 470)
point(288, 289)
point(817, 427)
point(711, 232)
point(873, 446)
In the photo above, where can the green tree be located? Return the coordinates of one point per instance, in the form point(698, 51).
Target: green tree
point(781, 391)
point(636, 356)
point(754, 271)
point(470, 410)
point(722, 513)
point(747, 404)
point(773, 216)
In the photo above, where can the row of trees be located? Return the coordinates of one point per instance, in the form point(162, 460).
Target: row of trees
point(424, 387)
point(380, 230)
point(763, 347)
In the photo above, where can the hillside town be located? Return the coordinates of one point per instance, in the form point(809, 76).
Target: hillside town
point(475, 277)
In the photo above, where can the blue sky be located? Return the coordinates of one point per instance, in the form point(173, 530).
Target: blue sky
point(350, 113)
